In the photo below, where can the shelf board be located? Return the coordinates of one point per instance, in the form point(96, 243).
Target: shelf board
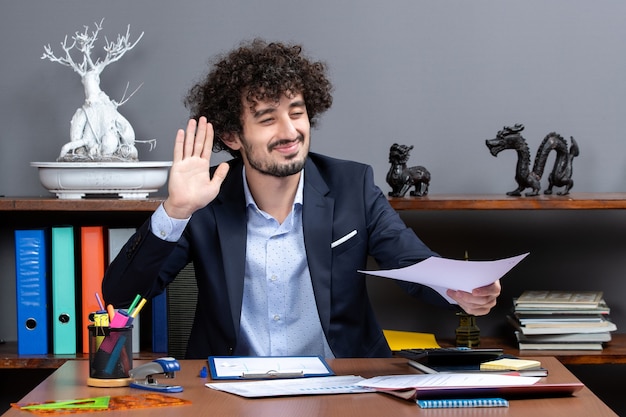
point(614, 352)
point(9, 359)
point(86, 204)
point(573, 201)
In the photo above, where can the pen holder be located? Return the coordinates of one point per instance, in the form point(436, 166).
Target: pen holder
point(110, 356)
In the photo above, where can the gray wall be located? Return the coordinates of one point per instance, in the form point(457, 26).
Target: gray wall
point(440, 75)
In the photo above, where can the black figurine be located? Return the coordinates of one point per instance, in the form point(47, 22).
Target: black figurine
point(561, 175)
point(401, 178)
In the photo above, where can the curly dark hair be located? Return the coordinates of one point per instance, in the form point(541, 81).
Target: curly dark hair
point(261, 71)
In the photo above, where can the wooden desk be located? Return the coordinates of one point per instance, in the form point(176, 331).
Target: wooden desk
point(69, 382)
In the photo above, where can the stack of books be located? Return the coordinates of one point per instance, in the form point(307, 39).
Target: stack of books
point(561, 320)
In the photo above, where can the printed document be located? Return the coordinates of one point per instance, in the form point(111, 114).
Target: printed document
point(345, 384)
point(452, 380)
point(441, 273)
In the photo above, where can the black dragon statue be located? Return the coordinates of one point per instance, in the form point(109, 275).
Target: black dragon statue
point(401, 178)
point(561, 175)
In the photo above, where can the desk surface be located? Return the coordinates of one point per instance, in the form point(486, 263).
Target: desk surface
point(69, 382)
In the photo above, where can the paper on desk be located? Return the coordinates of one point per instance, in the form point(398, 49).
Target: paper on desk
point(453, 380)
point(346, 384)
point(441, 273)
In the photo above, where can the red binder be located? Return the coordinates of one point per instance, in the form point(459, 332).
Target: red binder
point(92, 267)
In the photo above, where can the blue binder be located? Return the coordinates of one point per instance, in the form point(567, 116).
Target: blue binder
point(159, 323)
point(64, 318)
point(31, 291)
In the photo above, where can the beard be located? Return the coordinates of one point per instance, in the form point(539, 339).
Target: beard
point(280, 170)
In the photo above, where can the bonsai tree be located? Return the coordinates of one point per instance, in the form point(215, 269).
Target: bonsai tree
point(98, 132)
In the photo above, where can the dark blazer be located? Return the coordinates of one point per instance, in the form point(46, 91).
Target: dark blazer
point(339, 197)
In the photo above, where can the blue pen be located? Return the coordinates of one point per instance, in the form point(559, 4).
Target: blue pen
point(115, 355)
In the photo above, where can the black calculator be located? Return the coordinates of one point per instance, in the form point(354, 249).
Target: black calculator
point(450, 356)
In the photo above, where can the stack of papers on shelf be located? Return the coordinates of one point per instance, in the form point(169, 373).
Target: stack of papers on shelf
point(561, 320)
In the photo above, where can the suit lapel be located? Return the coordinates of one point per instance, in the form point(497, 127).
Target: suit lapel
point(317, 219)
point(230, 217)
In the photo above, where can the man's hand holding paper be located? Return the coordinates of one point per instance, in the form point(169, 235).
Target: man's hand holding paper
point(473, 285)
point(478, 302)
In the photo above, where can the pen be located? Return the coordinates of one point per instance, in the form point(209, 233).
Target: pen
point(115, 355)
point(99, 302)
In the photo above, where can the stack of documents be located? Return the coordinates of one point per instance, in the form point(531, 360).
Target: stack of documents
point(561, 320)
point(409, 387)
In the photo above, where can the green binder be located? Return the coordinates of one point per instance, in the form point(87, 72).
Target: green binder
point(64, 320)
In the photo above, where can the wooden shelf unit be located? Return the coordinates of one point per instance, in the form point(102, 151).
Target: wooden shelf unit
point(9, 359)
point(25, 208)
point(82, 205)
point(613, 353)
point(574, 201)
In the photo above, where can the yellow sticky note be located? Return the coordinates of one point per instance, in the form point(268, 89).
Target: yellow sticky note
point(410, 340)
point(507, 364)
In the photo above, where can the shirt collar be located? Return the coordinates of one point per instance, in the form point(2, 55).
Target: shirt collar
point(250, 200)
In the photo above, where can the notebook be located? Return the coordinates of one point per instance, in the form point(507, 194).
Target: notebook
point(463, 403)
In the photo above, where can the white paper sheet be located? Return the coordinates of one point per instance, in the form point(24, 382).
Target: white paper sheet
point(441, 273)
point(301, 386)
point(469, 380)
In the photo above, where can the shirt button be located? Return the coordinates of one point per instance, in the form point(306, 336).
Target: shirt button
point(273, 278)
point(163, 234)
point(276, 317)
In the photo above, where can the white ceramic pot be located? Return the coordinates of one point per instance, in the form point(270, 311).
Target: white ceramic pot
point(130, 180)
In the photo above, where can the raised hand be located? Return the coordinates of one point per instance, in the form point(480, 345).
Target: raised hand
point(190, 185)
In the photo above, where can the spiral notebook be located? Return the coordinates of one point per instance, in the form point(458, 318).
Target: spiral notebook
point(463, 403)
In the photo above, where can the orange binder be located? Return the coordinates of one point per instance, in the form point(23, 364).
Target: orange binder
point(92, 252)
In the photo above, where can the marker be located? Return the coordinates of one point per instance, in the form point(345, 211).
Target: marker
point(134, 303)
point(120, 319)
point(111, 312)
point(135, 312)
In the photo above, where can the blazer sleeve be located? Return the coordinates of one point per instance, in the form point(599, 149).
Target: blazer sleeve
point(393, 244)
point(144, 265)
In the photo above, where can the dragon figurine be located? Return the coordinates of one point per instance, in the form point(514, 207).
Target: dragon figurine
point(401, 178)
point(561, 175)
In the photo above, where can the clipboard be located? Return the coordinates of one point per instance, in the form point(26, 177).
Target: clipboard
point(267, 367)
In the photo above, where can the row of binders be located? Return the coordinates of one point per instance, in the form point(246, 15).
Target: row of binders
point(561, 320)
point(58, 273)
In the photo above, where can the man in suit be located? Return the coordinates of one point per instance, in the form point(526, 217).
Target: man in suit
point(276, 235)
